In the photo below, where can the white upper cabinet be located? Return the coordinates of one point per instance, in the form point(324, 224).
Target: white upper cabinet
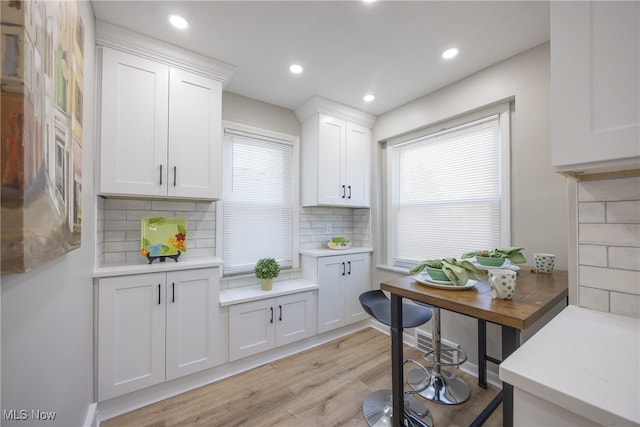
point(195, 132)
point(595, 86)
point(134, 125)
point(160, 119)
point(336, 154)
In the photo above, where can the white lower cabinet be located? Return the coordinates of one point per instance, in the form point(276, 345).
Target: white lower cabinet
point(155, 327)
point(341, 280)
point(264, 324)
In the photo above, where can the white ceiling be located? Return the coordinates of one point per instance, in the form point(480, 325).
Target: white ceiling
point(348, 48)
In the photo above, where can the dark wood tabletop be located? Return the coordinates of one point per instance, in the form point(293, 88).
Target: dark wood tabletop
point(536, 294)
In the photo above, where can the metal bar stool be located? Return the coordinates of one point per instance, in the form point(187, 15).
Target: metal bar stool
point(444, 387)
point(377, 406)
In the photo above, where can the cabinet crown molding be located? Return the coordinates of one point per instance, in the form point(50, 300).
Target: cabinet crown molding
point(128, 41)
point(318, 104)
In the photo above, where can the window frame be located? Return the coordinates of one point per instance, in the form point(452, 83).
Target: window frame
point(266, 134)
point(503, 111)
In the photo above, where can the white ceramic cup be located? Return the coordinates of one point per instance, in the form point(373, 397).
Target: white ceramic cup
point(544, 262)
point(503, 283)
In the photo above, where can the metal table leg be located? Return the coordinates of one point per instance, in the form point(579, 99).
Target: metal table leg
point(482, 353)
point(397, 357)
point(510, 342)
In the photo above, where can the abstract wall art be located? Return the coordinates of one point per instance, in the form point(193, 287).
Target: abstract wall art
point(41, 97)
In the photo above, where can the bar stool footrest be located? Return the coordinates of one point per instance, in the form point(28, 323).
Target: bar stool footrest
point(449, 353)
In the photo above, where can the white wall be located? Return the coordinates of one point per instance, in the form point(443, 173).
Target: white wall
point(538, 196)
point(248, 111)
point(47, 314)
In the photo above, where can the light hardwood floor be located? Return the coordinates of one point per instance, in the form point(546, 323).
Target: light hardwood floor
point(321, 387)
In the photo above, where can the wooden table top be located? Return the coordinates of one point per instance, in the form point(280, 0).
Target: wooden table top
point(536, 294)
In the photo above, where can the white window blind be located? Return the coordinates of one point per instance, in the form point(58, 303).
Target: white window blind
point(257, 201)
point(446, 193)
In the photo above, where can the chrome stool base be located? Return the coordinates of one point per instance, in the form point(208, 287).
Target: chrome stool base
point(377, 409)
point(446, 388)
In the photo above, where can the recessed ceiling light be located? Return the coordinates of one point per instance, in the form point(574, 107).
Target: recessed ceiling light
point(369, 98)
point(178, 21)
point(450, 53)
point(296, 69)
point(368, 1)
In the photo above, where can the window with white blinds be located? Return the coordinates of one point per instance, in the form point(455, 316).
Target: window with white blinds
point(448, 191)
point(258, 201)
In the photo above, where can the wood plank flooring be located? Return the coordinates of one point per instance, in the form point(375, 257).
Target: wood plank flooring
point(321, 387)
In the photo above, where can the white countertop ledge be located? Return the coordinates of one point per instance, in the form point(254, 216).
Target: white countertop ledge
point(254, 293)
point(333, 252)
point(585, 361)
point(157, 267)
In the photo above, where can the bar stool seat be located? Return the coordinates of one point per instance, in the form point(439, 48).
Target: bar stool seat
point(377, 406)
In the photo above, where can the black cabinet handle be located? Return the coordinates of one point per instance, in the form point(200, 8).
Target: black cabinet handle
point(349, 262)
point(271, 314)
point(343, 192)
point(280, 318)
point(159, 294)
point(343, 269)
point(174, 175)
point(160, 174)
point(173, 292)
point(349, 192)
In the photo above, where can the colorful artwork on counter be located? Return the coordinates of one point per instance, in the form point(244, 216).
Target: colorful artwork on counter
point(41, 96)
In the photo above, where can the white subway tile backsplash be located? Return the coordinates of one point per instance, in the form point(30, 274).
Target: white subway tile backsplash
point(625, 304)
point(122, 226)
point(609, 245)
point(609, 234)
point(591, 212)
point(623, 212)
point(165, 205)
point(593, 255)
point(121, 243)
point(624, 258)
point(609, 190)
point(127, 204)
point(596, 299)
point(610, 279)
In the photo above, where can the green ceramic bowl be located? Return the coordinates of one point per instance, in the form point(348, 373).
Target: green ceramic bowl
point(489, 261)
point(437, 274)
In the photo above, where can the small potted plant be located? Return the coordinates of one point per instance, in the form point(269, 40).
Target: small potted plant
point(266, 270)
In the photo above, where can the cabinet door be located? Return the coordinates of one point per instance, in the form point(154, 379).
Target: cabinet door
point(595, 83)
point(358, 281)
point(192, 314)
point(358, 165)
point(331, 293)
point(251, 328)
point(133, 128)
point(296, 317)
point(195, 147)
point(131, 333)
point(331, 174)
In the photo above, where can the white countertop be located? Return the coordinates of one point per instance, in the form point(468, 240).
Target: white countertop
point(585, 361)
point(333, 252)
point(254, 293)
point(157, 267)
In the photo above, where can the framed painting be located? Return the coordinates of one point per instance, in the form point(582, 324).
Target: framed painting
point(41, 132)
